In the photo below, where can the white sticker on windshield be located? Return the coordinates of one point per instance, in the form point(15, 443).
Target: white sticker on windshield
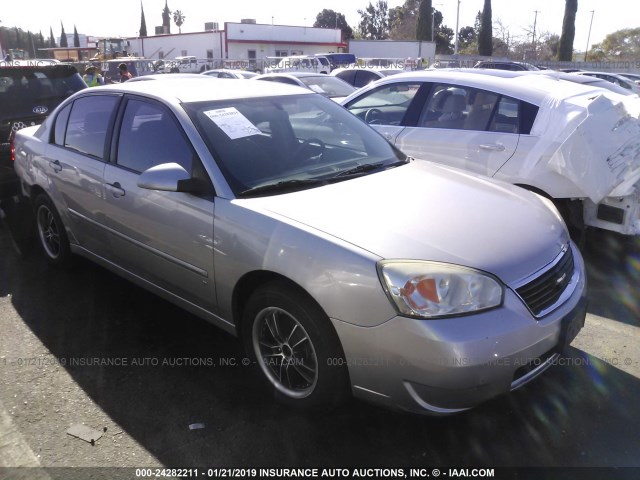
point(232, 122)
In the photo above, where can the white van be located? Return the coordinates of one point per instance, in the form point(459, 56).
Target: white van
point(298, 63)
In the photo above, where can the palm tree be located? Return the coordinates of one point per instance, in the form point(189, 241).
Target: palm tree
point(178, 19)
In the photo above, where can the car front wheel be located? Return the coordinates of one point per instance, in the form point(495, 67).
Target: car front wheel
point(295, 346)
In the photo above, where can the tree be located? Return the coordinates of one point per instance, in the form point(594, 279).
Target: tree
point(467, 37)
point(166, 18)
point(179, 18)
point(424, 25)
point(374, 24)
point(565, 50)
point(143, 22)
point(403, 20)
point(52, 39)
point(485, 36)
point(18, 42)
point(76, 37)
point(31, 47)
point(444, 38)
point(63, 38)
point(328, 18)
point(623, 43)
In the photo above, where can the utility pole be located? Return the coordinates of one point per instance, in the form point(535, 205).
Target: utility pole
point(455, 50)
point(535, 21)
point(586, 50)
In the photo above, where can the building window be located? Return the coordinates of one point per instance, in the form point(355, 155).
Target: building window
point(183, 53)
point(297, 52)
point(281, 53)
point(209, 54)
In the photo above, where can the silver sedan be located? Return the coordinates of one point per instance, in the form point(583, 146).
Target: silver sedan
point(345, 266)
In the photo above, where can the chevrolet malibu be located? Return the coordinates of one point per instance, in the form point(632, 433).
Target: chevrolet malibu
point(345, 266)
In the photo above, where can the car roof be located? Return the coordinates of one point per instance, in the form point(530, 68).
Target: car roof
point(553, 74)
point(164, 76)
point(292, 74)
point(531, 88)
point(201, 88)
point(228, 70)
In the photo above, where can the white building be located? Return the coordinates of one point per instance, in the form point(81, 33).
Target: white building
point(396, 49)
point(245, 41)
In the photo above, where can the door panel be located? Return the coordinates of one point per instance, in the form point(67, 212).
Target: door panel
point(75, 164)
point(464, 127)
point(163, 237)
point(479, 152)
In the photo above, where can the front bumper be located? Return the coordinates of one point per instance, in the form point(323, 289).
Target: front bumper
point(449, 365)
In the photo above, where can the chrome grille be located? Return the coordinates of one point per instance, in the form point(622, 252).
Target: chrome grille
point(544, 291)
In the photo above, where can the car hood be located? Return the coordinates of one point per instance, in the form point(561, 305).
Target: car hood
point(430, 212)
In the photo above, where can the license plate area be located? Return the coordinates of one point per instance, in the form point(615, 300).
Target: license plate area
point(572, 323)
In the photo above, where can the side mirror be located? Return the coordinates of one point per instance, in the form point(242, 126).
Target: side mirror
point(167, 177)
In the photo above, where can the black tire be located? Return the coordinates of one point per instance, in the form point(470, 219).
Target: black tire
point(50, 232)
point(295, 346)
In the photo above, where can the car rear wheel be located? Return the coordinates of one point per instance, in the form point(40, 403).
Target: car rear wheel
point(295, 346)
point(51, 232)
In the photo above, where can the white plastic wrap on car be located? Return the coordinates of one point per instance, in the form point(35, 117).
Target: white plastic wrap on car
point(593, 140)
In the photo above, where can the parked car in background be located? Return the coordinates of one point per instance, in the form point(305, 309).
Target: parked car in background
point(226, 73)
point(567, 77)
point(29, 92)
point(631, 76)
point(522, 129)
point(186, 64)
point(505, 65)
point(137, 67)
point(359, 77)
point(338, 60)
point(615, 79)
point(165, 77)
point(298, 63)
point(326, 85)
point(345, 266)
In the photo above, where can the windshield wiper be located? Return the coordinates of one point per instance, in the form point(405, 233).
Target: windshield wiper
point(283, 186)
point(368, 167)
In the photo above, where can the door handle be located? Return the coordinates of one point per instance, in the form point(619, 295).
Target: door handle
point(56, 166)
point(116, 189)
point(494, 147)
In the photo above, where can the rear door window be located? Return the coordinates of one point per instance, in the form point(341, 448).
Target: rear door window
point(89, 124)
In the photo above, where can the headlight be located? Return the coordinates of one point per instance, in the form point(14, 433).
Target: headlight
point(430, 289)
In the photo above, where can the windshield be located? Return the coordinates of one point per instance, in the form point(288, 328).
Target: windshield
point(329, 86)
point(295, 139)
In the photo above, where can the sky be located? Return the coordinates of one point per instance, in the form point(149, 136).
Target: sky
point(122, 17)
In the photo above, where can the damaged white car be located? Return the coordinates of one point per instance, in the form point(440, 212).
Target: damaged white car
point(575, 144)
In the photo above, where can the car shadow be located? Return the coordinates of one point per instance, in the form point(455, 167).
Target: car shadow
point(581, 412)
point(613, 273)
